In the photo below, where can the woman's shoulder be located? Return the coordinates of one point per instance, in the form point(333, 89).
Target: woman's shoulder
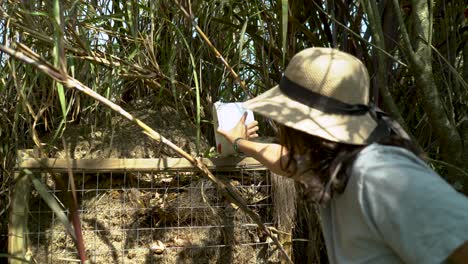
point(378, 156)
point(412, 207)
point(395, 170)
point(391, 166)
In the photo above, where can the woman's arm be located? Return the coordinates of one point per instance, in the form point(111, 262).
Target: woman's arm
point(269, 154)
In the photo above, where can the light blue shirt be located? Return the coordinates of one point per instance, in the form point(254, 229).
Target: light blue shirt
point(395, 209)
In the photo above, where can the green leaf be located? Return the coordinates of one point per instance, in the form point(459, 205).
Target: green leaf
point(62, 99)
point(51, 202)
point(241, 40)
point(8, 256)
point(133, 54)
point(59, 55)
point(197, 85)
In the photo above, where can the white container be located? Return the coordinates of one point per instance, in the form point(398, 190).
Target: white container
point(226, 116)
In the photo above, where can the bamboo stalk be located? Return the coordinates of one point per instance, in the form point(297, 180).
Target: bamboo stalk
point(404, 33)
point(378, 35)
point(451, 144)
point(226, 189)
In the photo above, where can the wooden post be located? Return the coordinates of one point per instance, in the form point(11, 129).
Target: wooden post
point(284, 209)
point(19, 210)
point(18, 221)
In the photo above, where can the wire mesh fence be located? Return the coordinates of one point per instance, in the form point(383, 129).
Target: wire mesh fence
point(173, 216)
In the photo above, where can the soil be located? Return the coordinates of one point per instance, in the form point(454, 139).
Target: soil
point(124, 139)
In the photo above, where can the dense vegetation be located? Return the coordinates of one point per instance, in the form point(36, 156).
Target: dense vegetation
point(158, 51)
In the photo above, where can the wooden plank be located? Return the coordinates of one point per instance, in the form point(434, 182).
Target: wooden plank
point(154, 165)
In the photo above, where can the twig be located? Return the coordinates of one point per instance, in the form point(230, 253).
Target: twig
point(227, 190)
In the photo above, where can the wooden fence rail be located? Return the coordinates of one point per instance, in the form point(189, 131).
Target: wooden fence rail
point(121, 165)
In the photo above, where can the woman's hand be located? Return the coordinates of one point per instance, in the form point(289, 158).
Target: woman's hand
point(241, 130)
point(269, 154)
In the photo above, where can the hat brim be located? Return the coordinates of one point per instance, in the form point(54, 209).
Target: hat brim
point(351, 129)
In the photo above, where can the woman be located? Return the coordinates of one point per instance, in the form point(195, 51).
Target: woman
point(380, 203)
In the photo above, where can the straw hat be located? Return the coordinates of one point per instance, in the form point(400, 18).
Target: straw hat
point(324, 92)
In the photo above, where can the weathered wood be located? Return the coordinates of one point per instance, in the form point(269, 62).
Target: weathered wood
point(18, 220)
point(154, 165)
point(19, 210)
point(284, 199)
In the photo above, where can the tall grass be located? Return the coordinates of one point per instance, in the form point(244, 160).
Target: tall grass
point(134, 50)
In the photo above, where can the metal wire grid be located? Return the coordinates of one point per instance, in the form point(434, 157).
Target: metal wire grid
point(125, 215)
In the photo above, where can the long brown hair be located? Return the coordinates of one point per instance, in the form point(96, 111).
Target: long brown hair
point(320, 165)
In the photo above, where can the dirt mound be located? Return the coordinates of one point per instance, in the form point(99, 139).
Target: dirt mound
point(124, 139)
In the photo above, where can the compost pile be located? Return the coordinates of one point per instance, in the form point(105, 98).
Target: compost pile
point(145, 217)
